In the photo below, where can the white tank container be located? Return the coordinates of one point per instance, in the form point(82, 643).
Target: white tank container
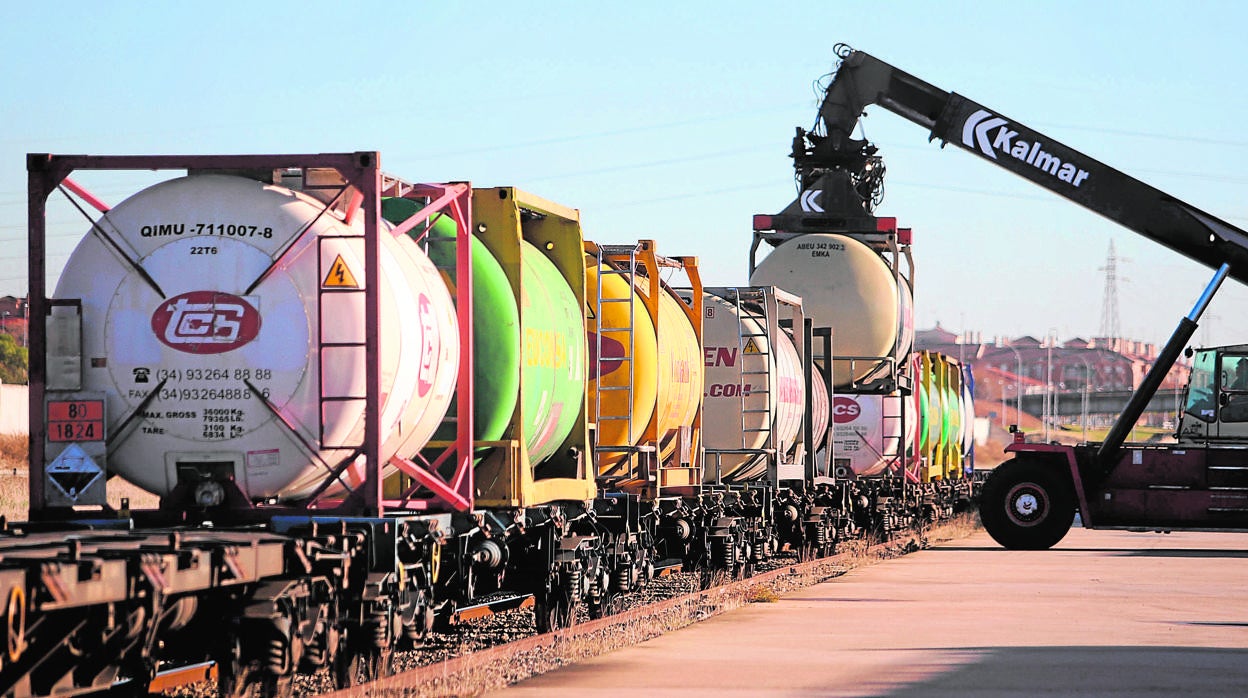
point(968, 412)
point(905, 320)
point(820, 410)
point(240, 371)
point(867, 431)
point(845, 285)
point(748, 383)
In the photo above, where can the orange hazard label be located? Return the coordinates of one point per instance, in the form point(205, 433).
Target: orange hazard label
point(339, 275)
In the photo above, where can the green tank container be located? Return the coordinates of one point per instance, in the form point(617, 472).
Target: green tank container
point(543, 454)
point(554, 369)
point(495, 324)
point(549, 322)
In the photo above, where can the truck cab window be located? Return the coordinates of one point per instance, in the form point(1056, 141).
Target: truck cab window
point(1201, 400)
point(1234, 400)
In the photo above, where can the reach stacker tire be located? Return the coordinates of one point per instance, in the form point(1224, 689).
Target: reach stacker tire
point(1027, 505)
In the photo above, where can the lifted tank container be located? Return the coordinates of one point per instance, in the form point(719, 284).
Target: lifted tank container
point(846, 285)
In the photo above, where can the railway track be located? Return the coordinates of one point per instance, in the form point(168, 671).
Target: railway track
point(489, 650)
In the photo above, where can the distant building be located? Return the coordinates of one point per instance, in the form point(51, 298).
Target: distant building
point(1005, 366)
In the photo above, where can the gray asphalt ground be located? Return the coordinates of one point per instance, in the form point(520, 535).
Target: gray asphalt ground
point(1105, 613)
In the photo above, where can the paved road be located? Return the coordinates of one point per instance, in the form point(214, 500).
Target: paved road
point(1105, 613)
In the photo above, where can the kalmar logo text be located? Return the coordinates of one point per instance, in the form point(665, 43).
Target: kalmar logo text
point(205, 322)
point(976, 133)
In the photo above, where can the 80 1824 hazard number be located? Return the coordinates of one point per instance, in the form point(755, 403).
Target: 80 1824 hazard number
point(75, 420)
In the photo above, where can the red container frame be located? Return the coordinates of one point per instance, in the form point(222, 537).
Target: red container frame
point(47, 173)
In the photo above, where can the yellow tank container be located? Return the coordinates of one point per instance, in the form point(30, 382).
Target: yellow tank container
point(666, 379)
point(680, 369)
point(623, 360)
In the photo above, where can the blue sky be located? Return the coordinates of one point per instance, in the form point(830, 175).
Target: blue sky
point(673, 121)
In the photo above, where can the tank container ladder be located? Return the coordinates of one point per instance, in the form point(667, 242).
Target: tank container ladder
point(755, 306)
point(892, 447)
point(617, 260)
point(323, 345)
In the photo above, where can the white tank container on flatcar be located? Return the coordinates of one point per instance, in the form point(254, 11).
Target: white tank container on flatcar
point(867, 431)
point(845, 285)
point(255, 351)
point(968, 418)
point(750, 381)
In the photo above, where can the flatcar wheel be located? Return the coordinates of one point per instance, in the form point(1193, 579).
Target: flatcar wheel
point(276, 686)
point(556, 612)
point(353, 663)
point(544, 617)
point(551, 615)
point(607, 604)
point(360, 666)
point(236, 678)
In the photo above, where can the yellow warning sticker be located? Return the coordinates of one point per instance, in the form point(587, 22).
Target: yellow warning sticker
point(340, 276)
point(751, 347)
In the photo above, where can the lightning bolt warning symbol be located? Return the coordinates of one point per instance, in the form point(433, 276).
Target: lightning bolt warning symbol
point(339, 275)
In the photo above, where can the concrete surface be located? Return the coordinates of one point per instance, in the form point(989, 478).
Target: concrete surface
point(1104, 613)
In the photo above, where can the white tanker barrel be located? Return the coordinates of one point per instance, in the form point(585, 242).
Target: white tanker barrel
point(750, 382)
point(843, 284)
point(905, 320)
point(262, 385)
point(968, 420)
point(820, 410)
point(873, 433)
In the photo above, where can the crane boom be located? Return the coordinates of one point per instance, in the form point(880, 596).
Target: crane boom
point(834, 169)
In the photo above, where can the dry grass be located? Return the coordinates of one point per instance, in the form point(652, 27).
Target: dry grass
point(764, 595)
point(13, 450)
point(13, 488)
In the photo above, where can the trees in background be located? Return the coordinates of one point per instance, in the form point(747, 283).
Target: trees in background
point(13, 360)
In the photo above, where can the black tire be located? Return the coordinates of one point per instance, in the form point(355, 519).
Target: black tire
point(1027, 505)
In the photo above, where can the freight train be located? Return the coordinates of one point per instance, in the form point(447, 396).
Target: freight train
point(369, 406)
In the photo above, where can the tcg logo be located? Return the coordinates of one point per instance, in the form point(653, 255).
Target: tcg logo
point(205, 322)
